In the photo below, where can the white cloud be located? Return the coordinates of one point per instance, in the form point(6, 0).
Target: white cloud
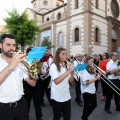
point(20, 5)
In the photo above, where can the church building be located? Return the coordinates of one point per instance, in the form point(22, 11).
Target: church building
point(80, 26)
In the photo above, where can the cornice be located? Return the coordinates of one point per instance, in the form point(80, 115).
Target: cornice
point(113, 20)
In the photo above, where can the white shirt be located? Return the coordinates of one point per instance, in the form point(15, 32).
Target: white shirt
point(11, 89)
point(46, 64)
point(59, 92)
point(110, 66)
point(89, 88)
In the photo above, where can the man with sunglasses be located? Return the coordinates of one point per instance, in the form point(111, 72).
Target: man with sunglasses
point(113, 76)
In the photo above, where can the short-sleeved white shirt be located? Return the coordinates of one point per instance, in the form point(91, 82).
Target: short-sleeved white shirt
point(59, 92)
point(89, 88)
point(110, 66)
point(11, 89)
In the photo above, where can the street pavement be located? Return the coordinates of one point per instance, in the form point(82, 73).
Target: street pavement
point(98, 113)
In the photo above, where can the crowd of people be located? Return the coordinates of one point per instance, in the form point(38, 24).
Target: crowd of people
point(55, 76)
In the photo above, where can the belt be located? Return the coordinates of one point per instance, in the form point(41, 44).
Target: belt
point(11, 104)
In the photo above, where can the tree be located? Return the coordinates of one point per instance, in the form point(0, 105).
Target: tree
point(22, 28)
point(46, 42)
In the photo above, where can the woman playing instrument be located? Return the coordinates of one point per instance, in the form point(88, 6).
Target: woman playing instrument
point(60, 95)
point(88, 78)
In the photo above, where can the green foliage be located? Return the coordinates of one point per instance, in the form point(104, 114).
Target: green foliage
point(22, 28)
point(46, 42)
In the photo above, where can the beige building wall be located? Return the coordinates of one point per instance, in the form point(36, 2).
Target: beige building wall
point(80, 7)
point(76, 22)
point(53, 15)
point(87, 18)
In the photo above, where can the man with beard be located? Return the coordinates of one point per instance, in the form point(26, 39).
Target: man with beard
point(12, 103)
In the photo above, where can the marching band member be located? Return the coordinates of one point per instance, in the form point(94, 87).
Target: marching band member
point(78, 60)
point(12, 103)
point(88, 78)
point(60, 95)
point(33, 93)
point(45, 82)
point(114, 78)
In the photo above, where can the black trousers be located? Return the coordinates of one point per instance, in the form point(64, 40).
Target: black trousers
point(90, 103)
point(110, 93)
point(78, 91)
point(15, 111)
point(61, 107)
point(44, 89)
point(33, 93)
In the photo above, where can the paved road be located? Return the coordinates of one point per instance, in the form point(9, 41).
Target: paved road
point(98, 114)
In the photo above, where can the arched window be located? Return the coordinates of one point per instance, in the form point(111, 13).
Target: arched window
point(59, 16)
point(97, 35)
point(96, 4)
point(35, 5)
point(76, 34)
point(47, 19)
point(60, 39)
point(76, 4)
point(115, 8)
point(114, 35)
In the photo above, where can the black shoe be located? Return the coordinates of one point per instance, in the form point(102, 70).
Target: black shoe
point(108, 111)
point(42, 104)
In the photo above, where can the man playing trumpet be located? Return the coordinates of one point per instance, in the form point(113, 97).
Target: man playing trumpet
point(12, 104)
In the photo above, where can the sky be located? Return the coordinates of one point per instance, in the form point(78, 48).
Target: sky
point(20, 5)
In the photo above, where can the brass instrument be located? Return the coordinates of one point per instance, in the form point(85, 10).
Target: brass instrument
point(74, 73)
point(33, 69)
point(107, 81)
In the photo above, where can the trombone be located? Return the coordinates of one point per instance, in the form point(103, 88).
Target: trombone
point(107, 81)
point(74, 73)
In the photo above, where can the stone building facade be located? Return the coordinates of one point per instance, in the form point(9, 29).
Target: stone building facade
point(80, 26)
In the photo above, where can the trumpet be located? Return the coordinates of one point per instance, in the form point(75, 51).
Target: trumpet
point(74, 73)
